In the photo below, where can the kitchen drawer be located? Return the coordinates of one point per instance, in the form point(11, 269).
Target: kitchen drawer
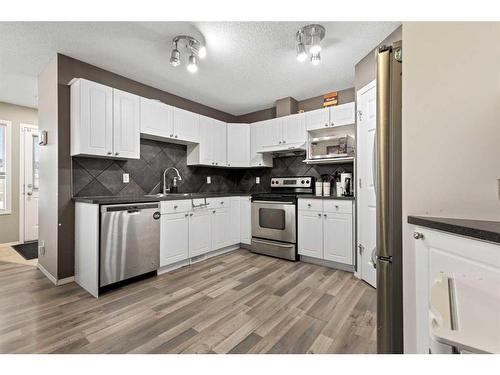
point(219, 202)
point(311, 204)
point(172, 207)
point(332, 205)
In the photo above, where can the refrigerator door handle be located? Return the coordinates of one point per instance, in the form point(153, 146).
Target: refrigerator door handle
point(374, 257)
point(374, 161)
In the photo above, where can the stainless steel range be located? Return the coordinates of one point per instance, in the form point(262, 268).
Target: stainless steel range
point(274, 217)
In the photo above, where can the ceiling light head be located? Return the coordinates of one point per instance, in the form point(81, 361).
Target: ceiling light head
point(316, 58)
point(202, 52)
point(301, 52)
point(315, 46)
point(175, 57)
point(192, 65)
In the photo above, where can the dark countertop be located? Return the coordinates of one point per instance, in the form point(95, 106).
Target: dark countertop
point(141, 198)
point(312, 196)
point(479, 229)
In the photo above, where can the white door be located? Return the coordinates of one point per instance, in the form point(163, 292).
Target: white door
point(337, 237)
point(31, 170)
point(238, 145)
point(126, 125)
point(294, 129)
point(366, 125)
point(317, 119)
point(257, 137)
point(342, 114)
point(310, 236)
point(206, 147)
point(219, 143)
point(174, 236)
point(246, 220)
point(186, 126)
point(156, 118)
point(220, 226)
point(199, 233)
point(273, 132)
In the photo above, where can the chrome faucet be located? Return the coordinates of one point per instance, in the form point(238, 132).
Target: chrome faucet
point(176, 178)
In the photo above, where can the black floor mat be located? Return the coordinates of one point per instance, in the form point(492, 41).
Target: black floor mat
point(28, 250)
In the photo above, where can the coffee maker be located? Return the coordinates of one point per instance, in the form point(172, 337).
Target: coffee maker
point(347, 184)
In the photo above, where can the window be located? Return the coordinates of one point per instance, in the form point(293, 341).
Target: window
point(5, 168)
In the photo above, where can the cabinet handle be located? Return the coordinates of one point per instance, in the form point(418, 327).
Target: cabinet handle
point(279, 142)
point(109, 152)
point(213, 211)
point(175, 207)
point(117, 153)
point(216, 163)
point(260, 163)
point(325, 215)
point(336, 206)
point(191, 214)
point(333, 124)
point(418, 235)
point(222, 202)
point(326, 125)
point(186, 215)
point(228, 164)
point(309, 205)
point(171, 135)
point(319, 215)
point(176, 136)
point(284, 141)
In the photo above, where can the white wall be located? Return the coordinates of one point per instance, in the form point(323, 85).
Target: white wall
point(48, 206)
point(451, 130)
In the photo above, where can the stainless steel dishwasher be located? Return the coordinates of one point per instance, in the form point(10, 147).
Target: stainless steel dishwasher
point(130, 241)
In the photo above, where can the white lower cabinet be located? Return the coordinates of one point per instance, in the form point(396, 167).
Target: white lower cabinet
point(199, 232)
point(246, 220)
point(234, 221)
point(220, 228)
point(174, 238)
point(325, 230)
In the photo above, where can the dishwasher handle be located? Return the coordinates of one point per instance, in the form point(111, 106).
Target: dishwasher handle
point(130, 208)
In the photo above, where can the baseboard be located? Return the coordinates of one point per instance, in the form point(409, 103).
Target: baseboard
point(327, 263)
point(10, 244)
point(47, 274)
point(66, 280)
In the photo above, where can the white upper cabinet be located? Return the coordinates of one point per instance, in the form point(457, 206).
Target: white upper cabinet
point(317, 119)
point(212, 147)
point(126, 125)
point(91, 119)
point(257, 140)
point(156, 119)
point(342, 114)
point(238, 145)
point(104, 121)
point(294, 129)
point(272, 132)
point(186, 126)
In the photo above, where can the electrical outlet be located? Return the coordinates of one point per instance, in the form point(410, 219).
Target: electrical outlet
point(126, 178)
point(257, 180)
point(209, 180)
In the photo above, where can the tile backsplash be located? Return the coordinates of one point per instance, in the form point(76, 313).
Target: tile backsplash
point(98, 177)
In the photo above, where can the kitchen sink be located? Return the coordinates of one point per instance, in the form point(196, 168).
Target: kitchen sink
point(161, 195)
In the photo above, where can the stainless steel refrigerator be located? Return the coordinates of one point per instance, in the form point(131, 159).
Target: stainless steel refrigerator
point(388, 193)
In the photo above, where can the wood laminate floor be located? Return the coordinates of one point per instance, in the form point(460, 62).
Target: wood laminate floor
point(239, 302)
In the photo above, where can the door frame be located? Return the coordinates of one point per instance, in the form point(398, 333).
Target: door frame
point(22, 146)
point(359, 258)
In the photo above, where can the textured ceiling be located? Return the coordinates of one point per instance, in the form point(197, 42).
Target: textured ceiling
point(248, 66)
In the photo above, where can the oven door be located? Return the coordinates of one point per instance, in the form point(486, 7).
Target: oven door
point(274, 220)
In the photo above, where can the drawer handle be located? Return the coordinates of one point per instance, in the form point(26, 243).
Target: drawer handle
point(175, 207)
point(191, 214)
point(186, 215)
point(222, 202)
point(213, 211)
point(319, 215)
point(337, 206)
point(325, 215)
point(309, 205)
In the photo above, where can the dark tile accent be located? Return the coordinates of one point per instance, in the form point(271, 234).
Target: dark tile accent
point(94, 177)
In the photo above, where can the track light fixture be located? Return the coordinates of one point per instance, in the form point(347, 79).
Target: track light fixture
point(310, 35)
point(192, 47)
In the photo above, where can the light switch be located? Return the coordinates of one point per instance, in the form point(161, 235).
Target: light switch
point(209, 180)
point(126, 178)
point(257, 180)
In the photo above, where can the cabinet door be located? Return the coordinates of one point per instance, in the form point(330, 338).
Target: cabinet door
point(91, 119)
point(126, 125)
point(174, 238)
point(186, 126)
point(317, 119)
point(294, 129)
point(246, 220)
point(220, 224)
point(199, 232)
point(156, 118)
point(234, 221)
point(238, 145)
point(205, 148)
point(310, 232)
point(337, 237)
point(343, 114)
point(257, 136)
point(273, 133)
point(219, 142)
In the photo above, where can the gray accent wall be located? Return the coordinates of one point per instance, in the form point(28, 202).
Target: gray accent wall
point(103, 177)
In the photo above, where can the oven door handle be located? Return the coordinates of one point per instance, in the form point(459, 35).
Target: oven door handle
point(272, 243)
point(273, 202)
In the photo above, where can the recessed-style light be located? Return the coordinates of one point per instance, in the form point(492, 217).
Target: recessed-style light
point(192, 65)
point(189, 45)
point(311, 36)
point(301, 52)
point(316, 58)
